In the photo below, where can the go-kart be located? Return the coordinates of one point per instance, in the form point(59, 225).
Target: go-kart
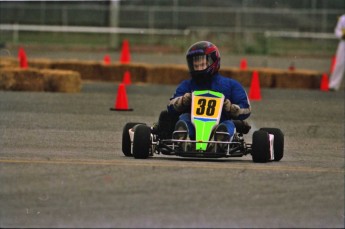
point(142, 141)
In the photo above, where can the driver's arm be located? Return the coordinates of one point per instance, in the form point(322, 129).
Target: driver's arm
point(238, 105)
point(181, 100)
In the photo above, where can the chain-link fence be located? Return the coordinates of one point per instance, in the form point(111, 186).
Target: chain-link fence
point(240, 26)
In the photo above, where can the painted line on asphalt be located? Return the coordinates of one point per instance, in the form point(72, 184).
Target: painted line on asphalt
point(197, 165)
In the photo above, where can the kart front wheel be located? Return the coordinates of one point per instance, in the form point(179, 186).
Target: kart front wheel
point(126, 140)
point(278, 144)
point(141, 142)
point(261, 146)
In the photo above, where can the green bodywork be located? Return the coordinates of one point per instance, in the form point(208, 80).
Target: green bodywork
point(204, 126)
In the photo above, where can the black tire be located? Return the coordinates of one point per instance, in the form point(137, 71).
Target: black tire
point(126, 140)
point(278, 144)
point(261, 147)
point(142, 142)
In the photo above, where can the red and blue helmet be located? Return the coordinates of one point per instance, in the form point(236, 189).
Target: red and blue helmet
point(199, 52)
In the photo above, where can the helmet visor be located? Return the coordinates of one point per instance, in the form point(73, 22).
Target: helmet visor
point(199, 62)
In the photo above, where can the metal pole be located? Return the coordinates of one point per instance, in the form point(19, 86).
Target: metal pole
point(15, 34)
point(114, 22)
point(175, 15)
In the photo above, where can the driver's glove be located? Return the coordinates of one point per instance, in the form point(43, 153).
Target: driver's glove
point(232, 109)
point(182, 102)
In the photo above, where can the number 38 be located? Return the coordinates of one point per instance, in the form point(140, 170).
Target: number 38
point(206, 106)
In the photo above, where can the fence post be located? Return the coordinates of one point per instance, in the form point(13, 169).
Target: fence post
point(15, 37)
point(114, 22)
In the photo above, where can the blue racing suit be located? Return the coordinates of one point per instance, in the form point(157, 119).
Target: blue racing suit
point(232, 91)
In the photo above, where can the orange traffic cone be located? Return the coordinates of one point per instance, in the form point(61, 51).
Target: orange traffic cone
point(292, 66)
point(121, 103)
point(254, 91)
point(125, 56)
point(106, 59)
point(324, 83)
point(243, 64)
point(23, 62)
point(127, 78)
point(332, 64)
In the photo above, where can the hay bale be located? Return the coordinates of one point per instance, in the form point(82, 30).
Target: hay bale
point(6, 79)
point(242, 76)
point(114, 72)
point(28, 80)
point(245, 76)
point(61, 80)
point(6, 62)
point(167, 74)
point(298, 79)
point(276, 78)
point(110, 72)
point(40, 63)
point(267, 76)
point(88, 70)
point(138, 71)
point(18, 79)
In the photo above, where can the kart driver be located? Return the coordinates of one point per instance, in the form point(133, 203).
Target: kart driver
point(203, 61)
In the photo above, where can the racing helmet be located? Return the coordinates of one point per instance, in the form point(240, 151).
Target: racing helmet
point(203, 61)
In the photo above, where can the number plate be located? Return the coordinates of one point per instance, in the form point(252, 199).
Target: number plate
point(206, 110)
point(207, 105)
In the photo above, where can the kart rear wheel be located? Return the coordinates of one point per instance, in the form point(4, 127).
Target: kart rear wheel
point(141, 142)
point(261, 146)
point(278, 144)
point(126, 140)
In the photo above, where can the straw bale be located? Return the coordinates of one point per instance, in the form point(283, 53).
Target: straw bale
point(110, 72)
point(6, 79)
point(167, 74)
point(30, 79)
point(272, 78)
point(114, 72)
point(24, 79)
point(298, 79)
point(242, 76)
point(40, 63)
point(164, 74)
point(61, 80)
point(138, 71)
point(6, 62)
point(88, 70)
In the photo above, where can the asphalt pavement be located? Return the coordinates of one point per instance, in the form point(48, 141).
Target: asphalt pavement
point(61, 165)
